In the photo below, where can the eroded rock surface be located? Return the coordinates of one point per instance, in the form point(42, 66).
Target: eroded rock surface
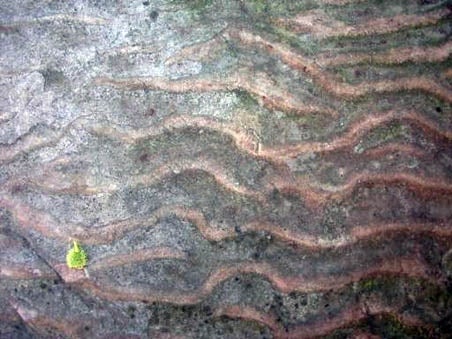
point(234, 169)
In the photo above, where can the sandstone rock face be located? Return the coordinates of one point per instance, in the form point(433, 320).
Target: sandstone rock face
point(233, 169)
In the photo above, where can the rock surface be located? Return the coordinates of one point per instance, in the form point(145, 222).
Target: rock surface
point(234, 169)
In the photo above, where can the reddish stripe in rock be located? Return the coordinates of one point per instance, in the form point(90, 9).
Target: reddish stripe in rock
point(52, 182)
point(357, 234)
point(276, 154)
point(259, 84)
point(42, 323)
point(423, 187)
point(243, 140)
point(16, 271)
point(407, 149)
point(329, 83)
point(348, 317)
point(136, 256)
point(401, 266)
point(316, 195)
point(222, 177)
point(28, 218)
point(199, 51)
point(44, 224)
point(31, 142)
point(358, 130)
point(319, 24)
point(392, 56)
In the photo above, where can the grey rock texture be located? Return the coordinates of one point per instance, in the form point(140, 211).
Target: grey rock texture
point(234, 169)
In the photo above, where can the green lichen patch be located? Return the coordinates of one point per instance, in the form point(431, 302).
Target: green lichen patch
point(76, 257)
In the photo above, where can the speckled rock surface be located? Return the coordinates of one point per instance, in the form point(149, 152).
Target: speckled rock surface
point(233, 169)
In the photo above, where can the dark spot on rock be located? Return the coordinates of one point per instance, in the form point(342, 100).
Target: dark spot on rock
point(17, 189)
point(358, 73)
point(275, 195)
point(43, 285)
point(150, 112)
point(86, 328)
point(207, 310)
point(144, 157)
point(52, 77)
point(426, 2)
point(304, 300)
point(145, 3)
point(292, 295)
point(326, 305)
point(131, 311)
point(438, 109)
point(8, 30)
point(154, 15)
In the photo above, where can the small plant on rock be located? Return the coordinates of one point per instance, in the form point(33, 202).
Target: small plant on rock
point(76, 257)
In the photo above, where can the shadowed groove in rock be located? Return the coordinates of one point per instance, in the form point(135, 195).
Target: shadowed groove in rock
point(331, 28)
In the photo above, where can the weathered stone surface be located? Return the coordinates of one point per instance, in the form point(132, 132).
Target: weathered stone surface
point(234, 169)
